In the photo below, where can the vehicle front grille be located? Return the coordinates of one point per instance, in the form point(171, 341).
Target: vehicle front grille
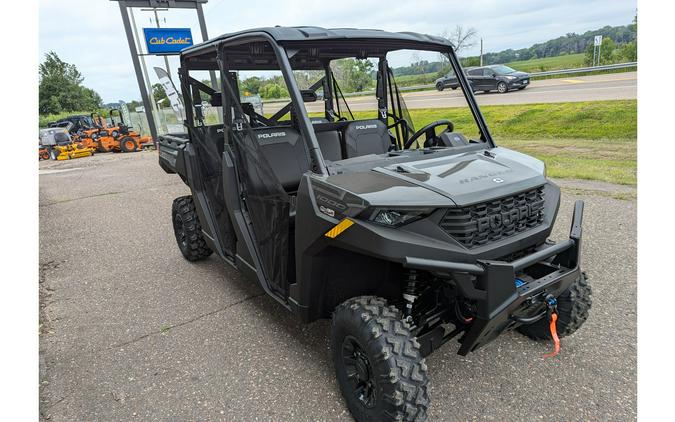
point(480, 224)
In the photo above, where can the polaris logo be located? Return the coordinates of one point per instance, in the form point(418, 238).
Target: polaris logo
point(271, 135)
point(485, 176)
point(513, 216)
point(329, 212)
point(363, 127)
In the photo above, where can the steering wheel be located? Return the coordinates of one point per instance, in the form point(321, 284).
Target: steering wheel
point(429, 131)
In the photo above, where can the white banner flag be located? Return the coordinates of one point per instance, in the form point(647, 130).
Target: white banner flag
point(171, 92)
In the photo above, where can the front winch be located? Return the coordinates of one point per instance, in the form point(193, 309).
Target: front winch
point(552, 314)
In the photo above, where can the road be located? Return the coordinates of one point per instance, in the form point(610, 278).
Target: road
point(613, 86)
point(132, 331)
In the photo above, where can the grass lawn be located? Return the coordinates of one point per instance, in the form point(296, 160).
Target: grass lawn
point(412, 80)
point(594, 140)
point(569, 61)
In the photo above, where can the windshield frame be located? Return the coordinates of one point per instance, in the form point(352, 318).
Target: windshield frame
point(449, 53)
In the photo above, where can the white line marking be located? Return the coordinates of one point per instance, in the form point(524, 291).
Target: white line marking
point(53, 171)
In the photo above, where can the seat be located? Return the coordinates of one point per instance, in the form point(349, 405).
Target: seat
point(329, 143)
point(365, 137)
point(329, 140)
point(215, 136)
point(284, 150)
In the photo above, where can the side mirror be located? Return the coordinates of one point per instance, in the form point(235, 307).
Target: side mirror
point(308, 96)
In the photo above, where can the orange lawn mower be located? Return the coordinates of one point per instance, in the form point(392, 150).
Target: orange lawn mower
point(88, 130)
point(99, 135)
point(56, 144)
point(129, 140)
point(43, 153)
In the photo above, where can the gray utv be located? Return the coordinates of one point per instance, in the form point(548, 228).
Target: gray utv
point(405, 238)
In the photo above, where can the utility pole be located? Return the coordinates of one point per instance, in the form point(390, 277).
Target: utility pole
point(139, 72)
point(153, 107)
point(481, 51)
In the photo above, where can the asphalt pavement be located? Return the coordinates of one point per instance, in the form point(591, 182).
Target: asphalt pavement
point(613, 86)
point(132, 331)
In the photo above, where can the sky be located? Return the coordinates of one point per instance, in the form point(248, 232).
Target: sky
point(89, 33)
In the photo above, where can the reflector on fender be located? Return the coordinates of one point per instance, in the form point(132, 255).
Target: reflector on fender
point(339, 228)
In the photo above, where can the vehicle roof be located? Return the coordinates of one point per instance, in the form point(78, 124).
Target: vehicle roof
point(292, 34)
point(312, 46)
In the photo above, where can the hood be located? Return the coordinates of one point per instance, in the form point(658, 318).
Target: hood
point(519, 74)
point(470, 177)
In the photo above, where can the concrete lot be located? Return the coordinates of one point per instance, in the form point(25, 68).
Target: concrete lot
point(132, 331)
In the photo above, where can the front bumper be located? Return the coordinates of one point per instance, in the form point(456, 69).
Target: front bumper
point(501, 305)
point(518, 83)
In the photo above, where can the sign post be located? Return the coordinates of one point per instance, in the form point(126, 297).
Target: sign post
point(168, 46)
point(597, 45)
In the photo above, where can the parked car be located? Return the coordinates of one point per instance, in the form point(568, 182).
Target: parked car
point(497, 77)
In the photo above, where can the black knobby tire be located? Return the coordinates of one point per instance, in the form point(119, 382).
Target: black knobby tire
point(574, 305)
point(187, 229)
point(386, 366)
point(440, 86)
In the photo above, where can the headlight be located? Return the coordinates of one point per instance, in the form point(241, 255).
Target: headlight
point(396, 218)
point(510, 77)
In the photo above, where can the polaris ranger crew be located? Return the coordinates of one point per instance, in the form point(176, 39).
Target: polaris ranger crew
point(406, 238)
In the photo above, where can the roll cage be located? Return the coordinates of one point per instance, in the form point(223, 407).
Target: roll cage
point(265, 49)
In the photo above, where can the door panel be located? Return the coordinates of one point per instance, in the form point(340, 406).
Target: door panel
point(490, 79)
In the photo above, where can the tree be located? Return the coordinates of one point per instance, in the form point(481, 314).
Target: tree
point(627, 52)
point(159, 94)
point(251, 85)
point(273, 90)
point(133, 104)
point(61, 89)
point(353, 75)
point(461, 38)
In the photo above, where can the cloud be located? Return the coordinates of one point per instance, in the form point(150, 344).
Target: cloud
point(90, 33)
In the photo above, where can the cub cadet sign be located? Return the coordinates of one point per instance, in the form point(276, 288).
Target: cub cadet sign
point(167, 40)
